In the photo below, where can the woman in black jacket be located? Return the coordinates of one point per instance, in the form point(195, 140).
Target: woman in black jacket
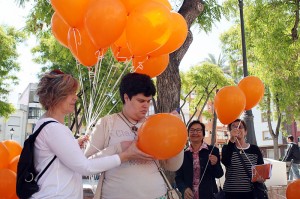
point(201, 165)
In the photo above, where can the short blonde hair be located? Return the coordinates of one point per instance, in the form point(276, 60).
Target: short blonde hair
point(55, 87)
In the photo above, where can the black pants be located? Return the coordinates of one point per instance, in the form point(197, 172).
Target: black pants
point(239, 195)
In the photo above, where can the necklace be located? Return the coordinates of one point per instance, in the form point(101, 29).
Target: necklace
point(133, 128)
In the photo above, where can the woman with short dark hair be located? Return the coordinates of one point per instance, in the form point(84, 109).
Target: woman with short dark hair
point(201, 166)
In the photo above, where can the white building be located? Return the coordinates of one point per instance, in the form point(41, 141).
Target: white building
point(21, 123)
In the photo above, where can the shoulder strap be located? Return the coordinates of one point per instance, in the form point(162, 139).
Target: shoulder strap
point(34, 135)
point(161, 171)
point(243, 162)
point(37, 132)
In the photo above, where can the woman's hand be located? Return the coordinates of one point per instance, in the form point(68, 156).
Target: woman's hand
point(188, 193)
point(213, 159)
point(176, 114)
point(132, 152)
point(260, 179)
point(82, 140)
point(234, 134)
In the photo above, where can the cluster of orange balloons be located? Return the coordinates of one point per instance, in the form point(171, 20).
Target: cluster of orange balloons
point(9, 157)
point(162, 135)
point(231, 101)
point(143, 30)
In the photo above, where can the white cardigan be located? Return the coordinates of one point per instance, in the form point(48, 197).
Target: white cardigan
point(63, 179)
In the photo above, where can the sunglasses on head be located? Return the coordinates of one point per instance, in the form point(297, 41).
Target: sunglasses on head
point(56, 72)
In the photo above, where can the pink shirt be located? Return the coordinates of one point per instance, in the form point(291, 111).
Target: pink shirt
point(196, 168)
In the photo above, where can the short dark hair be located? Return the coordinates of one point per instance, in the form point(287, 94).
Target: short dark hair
point(291, 138)
point(197, 122)
point(238, 120)
point(135, 83)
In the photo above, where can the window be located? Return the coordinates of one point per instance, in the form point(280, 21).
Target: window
point(264, 117)
point(270, 153)
point(266, 135)
point(35, 113)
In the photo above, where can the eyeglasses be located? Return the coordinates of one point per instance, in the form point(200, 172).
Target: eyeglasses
point(237, 127)
point(195, 130)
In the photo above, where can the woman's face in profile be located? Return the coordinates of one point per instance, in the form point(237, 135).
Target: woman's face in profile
point(67, 105)
point(196, 133)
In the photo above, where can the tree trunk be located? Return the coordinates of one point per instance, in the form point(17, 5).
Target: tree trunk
point(276, 149)
point(169, 82)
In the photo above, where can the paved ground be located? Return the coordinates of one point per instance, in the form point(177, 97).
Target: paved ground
point(275, 192)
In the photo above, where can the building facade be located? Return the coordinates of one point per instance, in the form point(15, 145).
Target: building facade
point(21, 123)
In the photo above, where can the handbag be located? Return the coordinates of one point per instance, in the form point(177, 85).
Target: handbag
point(220, 194)
point(259, 189)
point(171, 193)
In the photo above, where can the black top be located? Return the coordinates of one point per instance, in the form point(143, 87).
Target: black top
point(292, 153)
point(208, 186)
point(236, 178)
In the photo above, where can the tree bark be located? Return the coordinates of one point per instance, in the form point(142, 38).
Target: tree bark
point(169, 83)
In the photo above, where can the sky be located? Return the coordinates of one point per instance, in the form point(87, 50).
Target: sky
point(12, 15)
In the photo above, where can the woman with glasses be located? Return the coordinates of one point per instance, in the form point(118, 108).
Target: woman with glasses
point(237, 181)
point(63, 178)
point(201, 165)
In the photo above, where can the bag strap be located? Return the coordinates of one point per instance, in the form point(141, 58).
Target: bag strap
point(243, 162)
point(34, 135)
point(162, 173)
point(45, 169)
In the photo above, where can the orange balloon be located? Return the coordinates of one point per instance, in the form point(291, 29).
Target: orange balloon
point(293, 190)
point(229, 103)
point(153, 66)
point(162, 135)
point(7, 183)
point(122, 41)
point(148, 28)
point(60, 29)
point(14, 148)
point(105, 21)
point(165, 3)
point(71, 11)
point(13, 165)
point(14, 196)
point(179, 33)
point(82, 47)
point(253, 89)
point(131, 4)
point(4, 156)
point(121, 54)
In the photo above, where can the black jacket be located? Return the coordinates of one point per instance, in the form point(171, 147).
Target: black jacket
point(208, 186)
point(292, 153)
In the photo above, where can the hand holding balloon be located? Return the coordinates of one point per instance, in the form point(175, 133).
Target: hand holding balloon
point(234, 133)
point(132, 153)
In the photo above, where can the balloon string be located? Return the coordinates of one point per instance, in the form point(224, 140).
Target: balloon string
point(244, 151)
point(100, 53)
point(119, 57)
point(75, 38)
point(140, 64)
point(206, 165)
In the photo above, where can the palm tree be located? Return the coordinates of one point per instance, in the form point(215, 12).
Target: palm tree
point(221, 62)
